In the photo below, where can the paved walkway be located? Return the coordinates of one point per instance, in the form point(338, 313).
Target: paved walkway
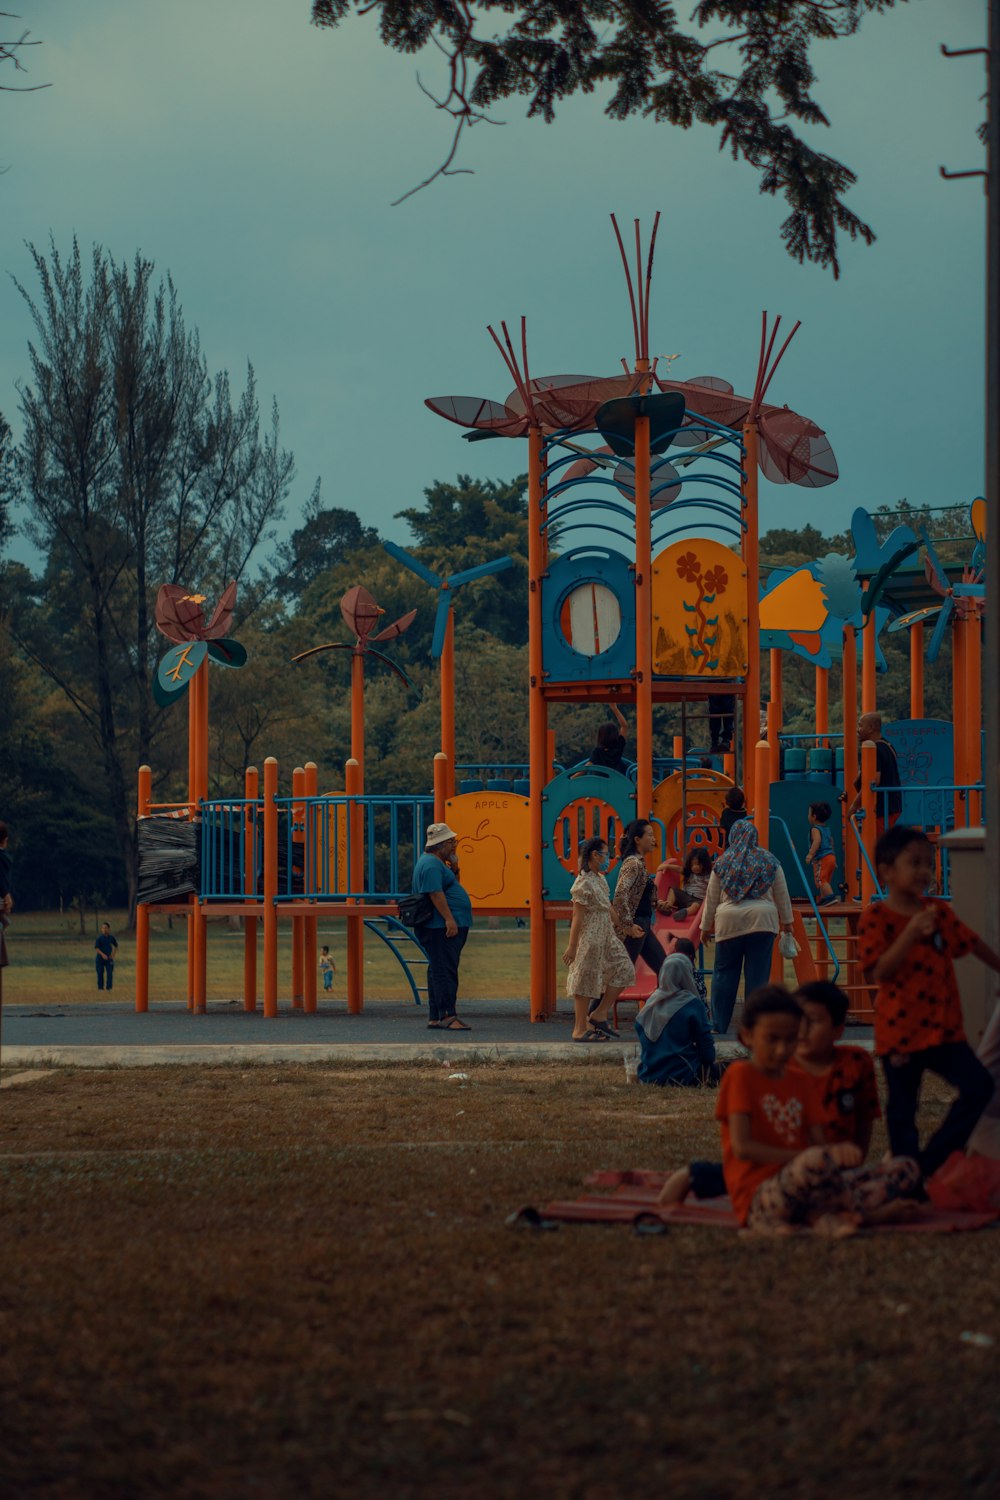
point(105, 1035)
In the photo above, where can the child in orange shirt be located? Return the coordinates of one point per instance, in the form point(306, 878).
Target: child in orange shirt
point(906, 945)
point(842, 1076)
point(779, 1173)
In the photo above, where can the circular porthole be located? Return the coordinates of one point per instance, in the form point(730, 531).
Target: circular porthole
point(591, 618)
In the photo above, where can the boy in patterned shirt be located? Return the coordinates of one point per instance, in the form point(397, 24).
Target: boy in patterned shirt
point(907, 945)
point(844, 1076)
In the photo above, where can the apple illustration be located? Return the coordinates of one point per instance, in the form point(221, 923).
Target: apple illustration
point(482, 858)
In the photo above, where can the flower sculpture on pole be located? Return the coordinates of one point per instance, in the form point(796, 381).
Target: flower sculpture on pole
point(361, 615)
point(179, 616)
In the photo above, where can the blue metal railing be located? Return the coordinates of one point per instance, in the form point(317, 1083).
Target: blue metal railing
point(820, 924)
point(224, 827)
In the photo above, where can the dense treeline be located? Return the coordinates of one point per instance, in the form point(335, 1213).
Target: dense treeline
point(136, 468)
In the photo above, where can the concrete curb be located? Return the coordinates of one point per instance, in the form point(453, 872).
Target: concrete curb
point(265, 1054)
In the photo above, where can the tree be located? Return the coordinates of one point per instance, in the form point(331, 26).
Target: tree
point(327, 535)
point(10, 52)
point(137, 469)
point(656, 66)
point(7, 481)
point(475, 521)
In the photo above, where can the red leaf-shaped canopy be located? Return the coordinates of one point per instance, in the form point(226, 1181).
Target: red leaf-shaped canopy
point(558, 402)
point(360, 612)
point(218, 625)
point(793, 450)
point(180, 617)
point(396, 628)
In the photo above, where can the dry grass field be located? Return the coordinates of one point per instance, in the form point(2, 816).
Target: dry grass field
point(298, 1282)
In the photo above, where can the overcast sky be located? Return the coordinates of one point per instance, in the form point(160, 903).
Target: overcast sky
point(256, 158)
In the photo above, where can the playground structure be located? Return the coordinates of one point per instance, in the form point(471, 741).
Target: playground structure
point(676, 615)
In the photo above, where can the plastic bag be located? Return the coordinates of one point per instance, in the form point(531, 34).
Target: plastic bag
point(966, 1183)
point(787, 946)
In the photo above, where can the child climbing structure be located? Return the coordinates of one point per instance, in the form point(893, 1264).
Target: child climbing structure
point(651, 595)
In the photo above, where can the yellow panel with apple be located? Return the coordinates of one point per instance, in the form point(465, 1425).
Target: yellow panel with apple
point(492, 829)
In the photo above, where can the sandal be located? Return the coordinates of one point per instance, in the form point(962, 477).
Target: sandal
point(591, 1036)
point(609, 1031)
point(433, 1025)
point(453, 1024)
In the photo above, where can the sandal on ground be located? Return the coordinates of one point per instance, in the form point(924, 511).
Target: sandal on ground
point(453, 1024)
point(433, 1025)
point(591, 1036)
point(609, 1031)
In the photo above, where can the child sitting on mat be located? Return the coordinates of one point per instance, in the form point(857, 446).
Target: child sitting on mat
point(843, 1076)
point(779, 1172)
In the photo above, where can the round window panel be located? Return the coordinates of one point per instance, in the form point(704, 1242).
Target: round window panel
point(591, 619)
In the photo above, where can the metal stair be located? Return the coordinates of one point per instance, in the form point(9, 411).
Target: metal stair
point(399, 939)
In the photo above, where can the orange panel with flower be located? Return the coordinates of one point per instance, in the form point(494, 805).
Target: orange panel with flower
point(699, 603)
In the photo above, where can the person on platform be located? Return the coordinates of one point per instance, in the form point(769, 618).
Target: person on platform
point(888, 797)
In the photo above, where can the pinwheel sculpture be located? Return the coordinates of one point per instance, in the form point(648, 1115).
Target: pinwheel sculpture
point(361, 615)
point(443, 640)
point(179, 616)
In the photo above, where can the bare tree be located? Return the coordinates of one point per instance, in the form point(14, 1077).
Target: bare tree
point(10, 52)
point(137, 469)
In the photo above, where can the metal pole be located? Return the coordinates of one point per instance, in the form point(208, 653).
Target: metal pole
point(991, 637)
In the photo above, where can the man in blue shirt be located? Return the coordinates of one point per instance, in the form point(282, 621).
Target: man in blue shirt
point(435, 875)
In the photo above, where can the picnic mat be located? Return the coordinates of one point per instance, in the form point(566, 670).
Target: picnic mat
point(632, 1200)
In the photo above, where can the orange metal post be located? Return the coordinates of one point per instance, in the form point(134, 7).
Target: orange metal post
point(550, 753)
point(192, 698)
point(270, 818)
point(440, 785)
point(751, 557)
point(356, 864)
point(358, 712)
point(729, 766)
point(775, 715)
point(822, 703)
point(974, 714)
point(298, 838)
point(310, 925)
point(141, 910)
point(869, 767)
point(958, 714)
point(917, 671)
point(643, 626)
point(538, 738)
point(251, 787)
point(678, 747)
point(199, 686)
point(762, 792)
point(868, 666)
point(448, 699)
point(849, 693)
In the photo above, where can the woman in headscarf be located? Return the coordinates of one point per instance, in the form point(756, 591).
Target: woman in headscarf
point(675, 1043)
point(746, 904)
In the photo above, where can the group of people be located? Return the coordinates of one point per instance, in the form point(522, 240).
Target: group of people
point(796, 1115)
point(744, 903)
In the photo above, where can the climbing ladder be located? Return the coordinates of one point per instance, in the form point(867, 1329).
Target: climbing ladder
point(409, 952)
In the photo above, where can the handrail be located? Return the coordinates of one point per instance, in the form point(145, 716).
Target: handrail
point(856, 820)
point(820, 924)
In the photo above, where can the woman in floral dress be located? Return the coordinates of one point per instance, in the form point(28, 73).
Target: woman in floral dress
point(596, 959)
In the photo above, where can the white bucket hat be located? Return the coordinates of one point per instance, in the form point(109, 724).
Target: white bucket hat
point(438, 833)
